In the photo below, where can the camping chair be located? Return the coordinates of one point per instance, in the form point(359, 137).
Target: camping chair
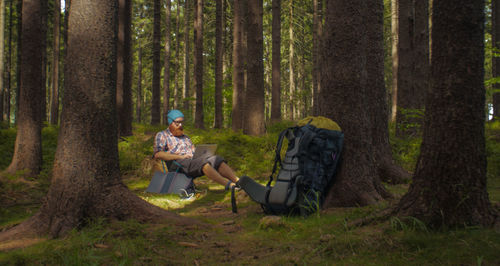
point(172, 180)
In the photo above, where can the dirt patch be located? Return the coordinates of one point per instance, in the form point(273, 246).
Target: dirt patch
point(20, 243)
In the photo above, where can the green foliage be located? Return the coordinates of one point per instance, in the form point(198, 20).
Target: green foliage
point(7, 141)
point(405, 151)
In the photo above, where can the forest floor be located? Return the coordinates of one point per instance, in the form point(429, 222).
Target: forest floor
point(248, 237)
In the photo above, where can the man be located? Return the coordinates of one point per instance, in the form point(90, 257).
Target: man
point(172, 145)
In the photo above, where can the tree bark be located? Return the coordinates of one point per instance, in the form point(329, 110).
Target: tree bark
point(291, 58)
point(28, 146)
point(2, 52)
point(156, 97)
point(138, 111)
point(413, 56)
point(317, 23)
point(186, 89)
point(198, 64)
point(495, 60)
point(19, 9)
point(254, 118)
point(86, 176)
point(276, 61)
point(344, 85)
point(124, 66)
point(218, 63)
point(395, 58)
point(238, 67)
point(177, 70)
point(166, 64)
point(54, 99)
point(376, 96)
point(449, 186)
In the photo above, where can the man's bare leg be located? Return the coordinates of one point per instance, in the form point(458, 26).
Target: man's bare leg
point(228, 172)
point(212, 174)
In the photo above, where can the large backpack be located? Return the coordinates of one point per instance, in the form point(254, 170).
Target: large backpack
point(306, 171)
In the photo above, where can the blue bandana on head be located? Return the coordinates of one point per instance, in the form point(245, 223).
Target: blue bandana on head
point(174, 114)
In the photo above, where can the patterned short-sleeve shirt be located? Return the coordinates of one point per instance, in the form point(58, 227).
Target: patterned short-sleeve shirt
point(165, 141)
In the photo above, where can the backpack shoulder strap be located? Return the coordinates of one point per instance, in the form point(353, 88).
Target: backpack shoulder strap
point(277, 157)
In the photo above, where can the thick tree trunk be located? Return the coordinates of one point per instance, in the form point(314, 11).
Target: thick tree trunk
point(495, 61)
point(54, 99)
point(28, 146)
point(449, 186)
point(198, 64)
point(156, 96)
point(218, 63)
point(238, 67)
point(86, 176)
point(166, 64)
point(124, 65)
point(254, 113)
point(344, 85)
point(276, 61)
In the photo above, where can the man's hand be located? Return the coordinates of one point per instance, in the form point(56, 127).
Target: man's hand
point(185, 156)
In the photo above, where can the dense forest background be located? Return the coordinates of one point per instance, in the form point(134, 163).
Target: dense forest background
point(298, 60)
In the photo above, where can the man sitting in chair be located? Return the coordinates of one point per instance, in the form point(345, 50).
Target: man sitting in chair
point(172, 145)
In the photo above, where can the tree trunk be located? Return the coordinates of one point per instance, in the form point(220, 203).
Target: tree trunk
point(139, 85)
point(156, 96)
point(495, 60)
point(28, 146)
point(186, 88)
point(2, 52)
point(89, 186)
point(166, 64)
point(449, 186)
point(376, 96)
point(395, 58)
point(413, 64)
point(8, 84)
point(291, 76)
point(124, 66)
point(344, 86)
point(19, 8)
point(254, 114)
point(317, 23)
point(218, 63)
point(276, 61)
point(198, 63)
point(238, 66)
point(54, 99)
point(177, 70)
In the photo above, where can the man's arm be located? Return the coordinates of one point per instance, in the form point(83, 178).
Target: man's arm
point(166, 156)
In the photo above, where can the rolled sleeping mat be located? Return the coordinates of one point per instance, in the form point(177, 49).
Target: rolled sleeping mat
point(256, 191)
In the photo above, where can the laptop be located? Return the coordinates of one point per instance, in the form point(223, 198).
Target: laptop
point(204, 150)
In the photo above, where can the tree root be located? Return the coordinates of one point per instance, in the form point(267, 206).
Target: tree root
point(119, 204)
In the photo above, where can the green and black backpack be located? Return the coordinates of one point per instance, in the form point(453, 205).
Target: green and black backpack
point(305, 173)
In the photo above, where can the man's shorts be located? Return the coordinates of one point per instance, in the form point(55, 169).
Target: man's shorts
point(193, 167)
